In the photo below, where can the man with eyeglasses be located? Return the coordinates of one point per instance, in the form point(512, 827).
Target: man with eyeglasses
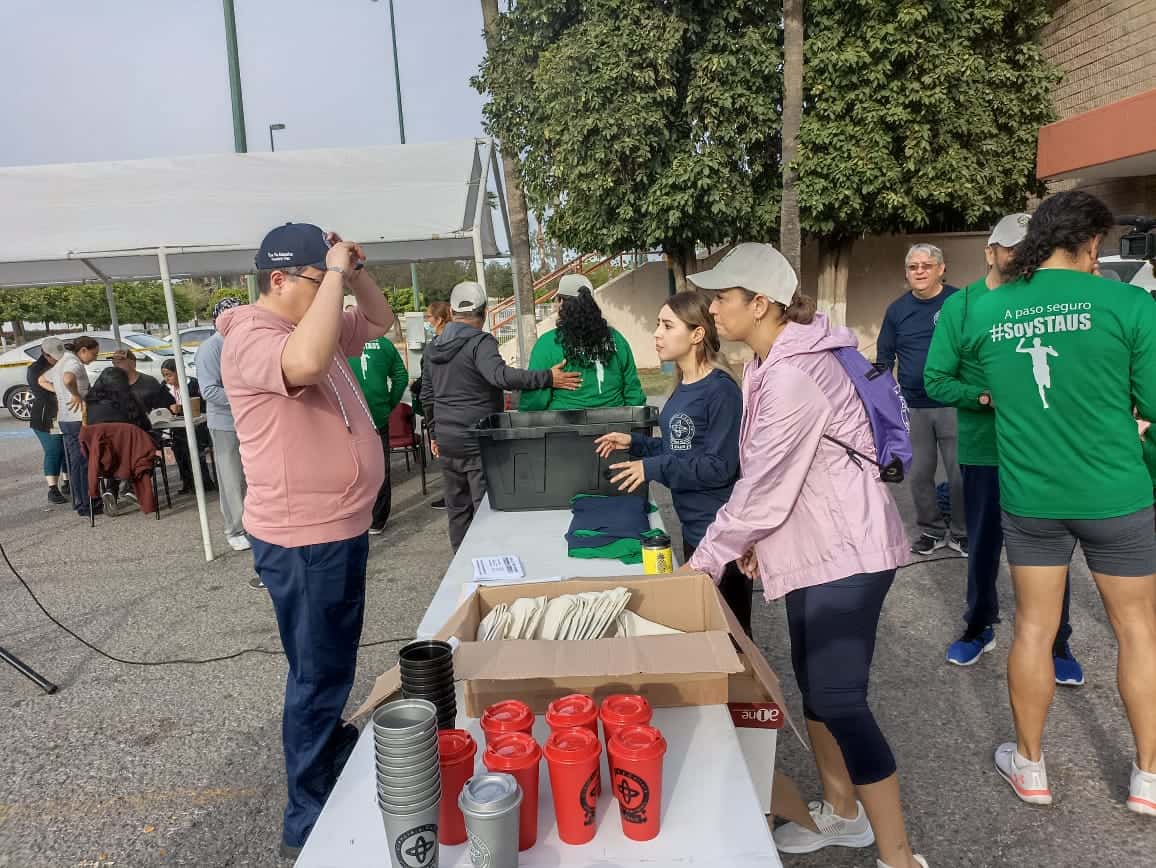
point(906, 336)
point(313, 463)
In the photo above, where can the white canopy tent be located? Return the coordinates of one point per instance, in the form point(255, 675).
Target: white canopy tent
point(186, 216)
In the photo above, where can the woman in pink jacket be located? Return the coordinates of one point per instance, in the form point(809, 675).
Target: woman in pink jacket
point(818, 529)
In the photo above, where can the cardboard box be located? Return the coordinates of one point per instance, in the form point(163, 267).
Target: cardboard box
point(699, 667)
point(687, 669)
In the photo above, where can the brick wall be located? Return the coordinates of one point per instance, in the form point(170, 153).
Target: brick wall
point(1107, 49)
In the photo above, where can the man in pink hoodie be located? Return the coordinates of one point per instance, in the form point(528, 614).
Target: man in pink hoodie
point(313, 463)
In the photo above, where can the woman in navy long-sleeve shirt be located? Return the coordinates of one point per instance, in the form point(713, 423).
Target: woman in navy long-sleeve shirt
point(697, 456)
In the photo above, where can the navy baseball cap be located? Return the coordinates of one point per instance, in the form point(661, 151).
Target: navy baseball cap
point(292, 245)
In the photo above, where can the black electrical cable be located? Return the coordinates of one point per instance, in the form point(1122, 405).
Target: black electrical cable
point(177, 662)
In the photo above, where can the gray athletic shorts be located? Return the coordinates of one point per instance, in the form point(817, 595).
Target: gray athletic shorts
point(1123, 546)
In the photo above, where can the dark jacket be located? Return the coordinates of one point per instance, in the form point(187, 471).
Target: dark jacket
point(463, 380)
point(43, 400)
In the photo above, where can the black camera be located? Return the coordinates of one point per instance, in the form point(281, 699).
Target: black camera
point(1140, 242)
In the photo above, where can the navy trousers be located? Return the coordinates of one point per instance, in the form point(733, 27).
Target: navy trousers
point(77, 467)
point(985, 542)
point(318, 594)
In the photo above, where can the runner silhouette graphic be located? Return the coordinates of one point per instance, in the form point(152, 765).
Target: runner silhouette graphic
point(1040, 369)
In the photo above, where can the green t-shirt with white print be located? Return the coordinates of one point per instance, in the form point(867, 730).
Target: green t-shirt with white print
point(1067, 356)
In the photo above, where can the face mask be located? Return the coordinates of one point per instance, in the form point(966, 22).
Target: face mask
point(429, 331)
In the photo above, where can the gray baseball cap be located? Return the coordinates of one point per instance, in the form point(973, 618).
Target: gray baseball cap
point(467, 297)
point(571, 284)
point(52, 347)
point(755, 267)
point(1010, 231)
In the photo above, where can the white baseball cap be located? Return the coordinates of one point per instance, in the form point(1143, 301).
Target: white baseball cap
point(756, 267)
point(1010, 231)
point(467, 297)
point(570, 285)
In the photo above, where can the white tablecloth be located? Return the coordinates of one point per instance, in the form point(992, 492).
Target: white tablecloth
point(710, 816)
point(536, 537)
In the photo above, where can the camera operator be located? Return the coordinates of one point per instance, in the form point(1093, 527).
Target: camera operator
point(313, 462)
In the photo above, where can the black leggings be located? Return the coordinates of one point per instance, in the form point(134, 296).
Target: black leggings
point(734, 587)
point(832, 641)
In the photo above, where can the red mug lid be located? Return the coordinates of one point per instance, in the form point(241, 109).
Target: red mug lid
point(512, 751)
point(574, 710)
point(637, 743)
point(626, 708)
point(508, 715)
point(455, 745)
point(573, 745)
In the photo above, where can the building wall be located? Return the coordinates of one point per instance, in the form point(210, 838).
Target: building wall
point(1106, 48)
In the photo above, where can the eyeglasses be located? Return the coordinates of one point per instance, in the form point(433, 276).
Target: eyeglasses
point(316, 280)
point(922, 266)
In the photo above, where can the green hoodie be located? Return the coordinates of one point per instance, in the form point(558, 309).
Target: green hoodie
point(957, 380)
point(1067, 357)
point(614, 384)
point(382, 375)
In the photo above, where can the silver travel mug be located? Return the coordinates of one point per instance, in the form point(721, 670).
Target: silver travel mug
point(490, 804)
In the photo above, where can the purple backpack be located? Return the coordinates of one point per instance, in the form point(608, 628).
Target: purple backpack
point(886, 411)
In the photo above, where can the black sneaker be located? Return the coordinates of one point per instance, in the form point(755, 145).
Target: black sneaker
point(927, 543)
point(377, 531)
point(109, 504)
point(958, 544)
point(256, 584)
point(440, 503)
point(65, 488)
point(54, 495)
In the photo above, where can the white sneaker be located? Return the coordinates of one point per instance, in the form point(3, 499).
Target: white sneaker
point(239, 543)
point(834, 831)
point(1028, 779)
point(1142, 793)
point(919, 860)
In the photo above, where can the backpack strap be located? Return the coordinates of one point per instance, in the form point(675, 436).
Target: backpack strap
point(892, 472)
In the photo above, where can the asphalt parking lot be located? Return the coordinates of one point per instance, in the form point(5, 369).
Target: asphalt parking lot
point(146, 765)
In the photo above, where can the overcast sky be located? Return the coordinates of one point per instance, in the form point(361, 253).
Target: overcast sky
point(121, 79)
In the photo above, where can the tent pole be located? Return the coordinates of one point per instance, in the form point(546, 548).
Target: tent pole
point(183, 384)
point(497, 176)
point(251, 285)
point(110, 297)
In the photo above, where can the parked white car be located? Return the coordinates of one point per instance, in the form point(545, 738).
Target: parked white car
point(1134, 271)
point(16, 395)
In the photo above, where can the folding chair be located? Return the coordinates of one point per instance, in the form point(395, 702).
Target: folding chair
point(403, 437)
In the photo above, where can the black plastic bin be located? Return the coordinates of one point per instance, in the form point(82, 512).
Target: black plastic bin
point(540, 460)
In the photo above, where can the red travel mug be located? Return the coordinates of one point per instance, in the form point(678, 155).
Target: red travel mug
point(573, 710)
point(623, 709)
point(508, 716)
point(517, 754)
point(572, 758)
point(456, 751)
point(636, 754)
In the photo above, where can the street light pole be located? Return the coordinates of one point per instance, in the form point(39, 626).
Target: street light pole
point(401, 133)
point(272, 127)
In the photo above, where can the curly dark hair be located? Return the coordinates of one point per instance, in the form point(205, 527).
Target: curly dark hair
point(1063, 222)
point(583, 333)
point(112, 389)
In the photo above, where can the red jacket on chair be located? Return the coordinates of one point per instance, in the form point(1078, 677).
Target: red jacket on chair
point(120, 451)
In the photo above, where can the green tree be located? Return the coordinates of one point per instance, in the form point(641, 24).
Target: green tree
point(143, 301)
point(241, 295)
point(641, 124)
point(920, 115)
